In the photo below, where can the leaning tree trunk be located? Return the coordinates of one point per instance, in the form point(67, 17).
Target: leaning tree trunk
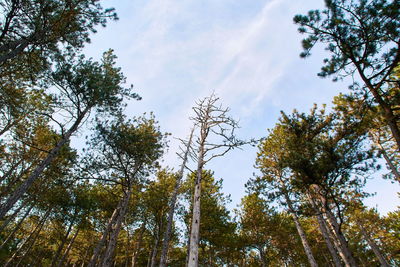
point(302, 234)
point(325, 233)
point(335, 228)
point(102, 241)
point(373, 246)
point(155, 246)
point(139, 243)
point(64, 256)
point(33, 235)
point(16, 228)
point(63, 241)
point(388, 114)
point(22, 189)
point(167, 234)
point(108, 256)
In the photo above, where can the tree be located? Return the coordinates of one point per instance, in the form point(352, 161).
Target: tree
point(172, 204)
point(38, 28)
point(213, 123)
point(84, 86)
point(124, 153)
point(363, 37)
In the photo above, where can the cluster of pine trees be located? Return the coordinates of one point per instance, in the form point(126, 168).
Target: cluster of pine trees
point(114, 205)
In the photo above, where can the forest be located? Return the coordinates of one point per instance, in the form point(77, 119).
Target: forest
point(115, 203)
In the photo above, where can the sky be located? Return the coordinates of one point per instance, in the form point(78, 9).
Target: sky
point(247, 52)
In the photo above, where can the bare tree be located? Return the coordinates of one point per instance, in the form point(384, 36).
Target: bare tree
point(179, 176)
point(215, 125)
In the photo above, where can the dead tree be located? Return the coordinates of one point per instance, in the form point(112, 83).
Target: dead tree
point(179, 176)
point(215, 139)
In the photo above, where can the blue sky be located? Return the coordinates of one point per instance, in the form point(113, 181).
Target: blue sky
point(175, 52)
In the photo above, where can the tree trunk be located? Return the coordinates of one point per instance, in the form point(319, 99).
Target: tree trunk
point(12, 217)
point(139, 243)
point(21, 190)
point(167, 234)
point(335, 228)
point(324, 231)
point(387, 110)
point(195, 230)
point(373, 246)
point(34, 234)
point(16, 228)
point(390, 163)
point(302, 234)
point(108, 256)
point(64, 256)
point(155, 247)
point(262, 256)
point(102, 241)
point(61, 246)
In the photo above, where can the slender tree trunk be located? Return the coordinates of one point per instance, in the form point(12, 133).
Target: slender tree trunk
point(335, 228)
point(167, 234)
point(139, 243)
point(21, 190)
point(64, 256)
point(155, 247)
point(373, 246)
point(103, 238)
point(63, 241)
point(388, 114)
point(325, 233)
point(16, 228)
point(302, 234)
point(11, 217)
point(391, 165)
point(33, 235)
point(108, 256)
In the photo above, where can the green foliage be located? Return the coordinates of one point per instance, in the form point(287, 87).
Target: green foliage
point(360, 35)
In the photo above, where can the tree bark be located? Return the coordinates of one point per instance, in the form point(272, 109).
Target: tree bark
point(108, 256)
point(11, 217)
point(34, 234)
point(21, 190)
point(325, 233)
point(335, 228)
point(195, 230)
point(155, 247)
point(16, 228)
point(302, 234)
point(373, 246)
point(64, 256)
point(102, 241)
point(61, 246)
point(139, 243)
point(167, 234)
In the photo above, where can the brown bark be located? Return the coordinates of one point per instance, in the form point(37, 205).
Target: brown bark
point(102, 241)
point(32, 236)
point(139, 243)
point(373, 246)
point(108, 256)
point(325, 233)
point(167, 234)
point(155, 247)
point(64, 256)
point(61, 246)
point(16, 228)
point(334, 226)
point(302, 234)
